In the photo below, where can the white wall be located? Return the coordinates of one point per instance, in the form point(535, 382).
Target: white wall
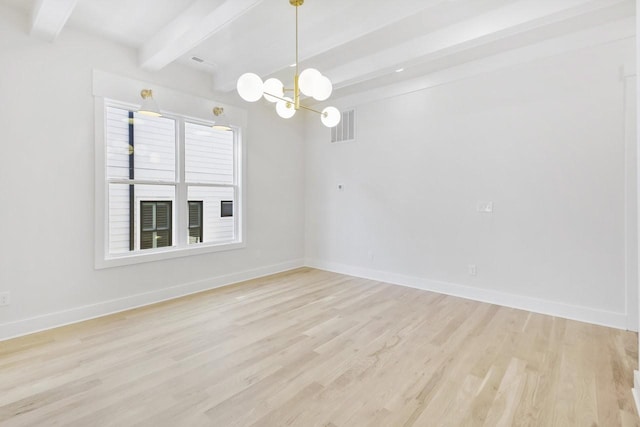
point(544, 140)
point(47, 186)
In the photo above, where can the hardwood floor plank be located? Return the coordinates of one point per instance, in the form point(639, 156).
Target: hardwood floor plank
point(314, 348)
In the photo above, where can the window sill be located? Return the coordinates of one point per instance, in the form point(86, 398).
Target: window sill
point(150, 255)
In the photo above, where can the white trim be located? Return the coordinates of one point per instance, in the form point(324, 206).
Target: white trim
point(552, 308)
point(160, 254)
point(127, 90)
point(78, 314)
point(636, 390)
point(631, 194)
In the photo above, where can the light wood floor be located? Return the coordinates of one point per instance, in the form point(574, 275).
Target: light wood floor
point(310, 348)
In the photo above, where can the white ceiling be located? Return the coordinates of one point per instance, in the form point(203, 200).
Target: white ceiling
point(357, 43)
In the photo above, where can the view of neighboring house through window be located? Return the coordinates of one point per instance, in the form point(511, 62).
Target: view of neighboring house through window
point(158, 198)
point(226, 208)
point(155, 224)
point(210, 173)
point(195, 222)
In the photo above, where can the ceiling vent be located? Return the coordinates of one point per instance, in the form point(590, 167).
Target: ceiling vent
point(346, 129)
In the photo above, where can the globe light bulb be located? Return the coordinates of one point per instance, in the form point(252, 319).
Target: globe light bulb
point(274, 87)
point(250, 87)
point(323, 89)
point(308, 80)
point(285, 109)
point(330, 117)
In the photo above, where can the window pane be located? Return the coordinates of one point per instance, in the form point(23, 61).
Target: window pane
point(208, 155)
point(144, 150)
point(136, 208)
point(117, 127)
point(154, 148)
point(216, 228)
point(119, 221)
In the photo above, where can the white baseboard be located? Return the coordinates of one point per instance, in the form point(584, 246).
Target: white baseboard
point(61, 318)
point(53, 320)
point(552, 308)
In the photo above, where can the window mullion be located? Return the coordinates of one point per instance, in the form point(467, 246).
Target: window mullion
point(182, 208)
point(237, 197)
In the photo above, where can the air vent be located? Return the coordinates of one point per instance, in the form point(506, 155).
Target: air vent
point(346, 129)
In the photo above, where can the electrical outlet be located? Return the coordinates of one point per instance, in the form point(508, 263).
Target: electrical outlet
point(473, 270)
point(5, 298)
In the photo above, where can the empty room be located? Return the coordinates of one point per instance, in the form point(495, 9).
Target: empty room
point(319, 213)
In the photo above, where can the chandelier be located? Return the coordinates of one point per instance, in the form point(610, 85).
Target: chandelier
point(309, 83)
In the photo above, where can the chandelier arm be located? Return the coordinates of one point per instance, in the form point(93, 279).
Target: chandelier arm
point(300, 106)
point(311, 109)
point(279, 97)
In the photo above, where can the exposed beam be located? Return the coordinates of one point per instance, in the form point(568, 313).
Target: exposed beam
point(520, 16)
point(199, 22)
point(496, 23)
point(50, 16)
point(599, 35)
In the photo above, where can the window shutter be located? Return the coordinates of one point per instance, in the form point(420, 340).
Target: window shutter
point(194, 214)
point(195, 222)
point(155, 219)
point(163, 238)
point(146, 216)
point(163, 216)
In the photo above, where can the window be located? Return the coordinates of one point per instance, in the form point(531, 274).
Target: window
point(166, 182)
point(226, 208)
point(195, 222)
point(155, 224)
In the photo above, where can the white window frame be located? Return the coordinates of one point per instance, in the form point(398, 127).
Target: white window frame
point(104, 84)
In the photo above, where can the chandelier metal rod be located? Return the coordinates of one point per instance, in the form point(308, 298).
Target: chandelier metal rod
point(301, 106)
point(297, 40)
point(296, 86)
